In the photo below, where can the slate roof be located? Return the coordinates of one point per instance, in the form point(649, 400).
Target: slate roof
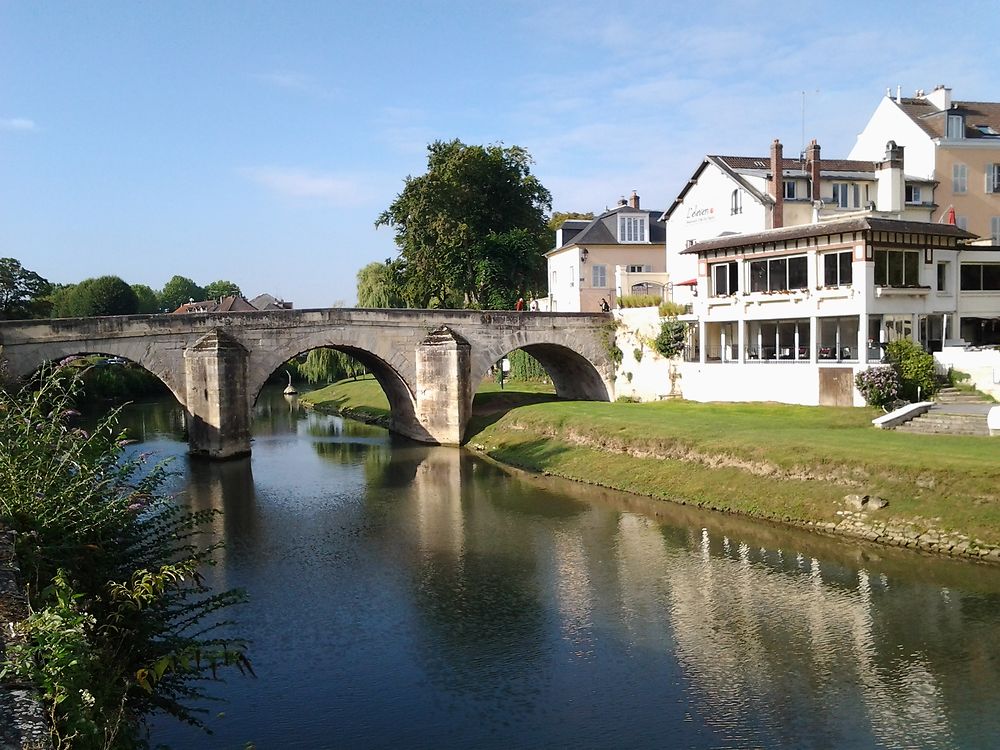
point(934, 121)
point(856, 224)
point(603, 229)
point(226, 304)
point(756, 163)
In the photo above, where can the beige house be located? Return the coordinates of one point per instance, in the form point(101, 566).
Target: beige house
point(955, 143)
point(582, 267)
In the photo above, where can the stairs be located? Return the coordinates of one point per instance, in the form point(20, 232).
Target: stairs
point(955, 412)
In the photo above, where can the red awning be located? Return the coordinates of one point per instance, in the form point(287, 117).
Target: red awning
point(689, 282)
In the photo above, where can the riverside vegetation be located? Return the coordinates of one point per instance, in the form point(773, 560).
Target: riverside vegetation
point(791, 464)
point(122, 624)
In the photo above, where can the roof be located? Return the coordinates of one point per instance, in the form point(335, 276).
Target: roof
point(857, 224)
point(226, 304)
point(602, 230)
point(269, 302)
point(934, 122)
point(755, 163)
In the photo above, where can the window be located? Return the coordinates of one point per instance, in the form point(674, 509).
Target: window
point(779, 274)
point(599, 276)
point(725, 279)
point(736, 201)
point(838, 269)
point(995, 230)
point(980, 277)
point(632, 228)
point(790, 190)
point(959, 178)
point(846, 195)
point(572, 275)
point(942, 276)
point(993, 178)
point(639, 269)
point(897, 268)
point(912, 194)
point(956, 126)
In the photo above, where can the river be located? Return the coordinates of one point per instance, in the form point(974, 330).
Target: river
point(404, 596)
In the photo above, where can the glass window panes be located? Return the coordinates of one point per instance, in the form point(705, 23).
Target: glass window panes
point(798, 273)
point(600, 275)
point(777, 272)
point(758, 276)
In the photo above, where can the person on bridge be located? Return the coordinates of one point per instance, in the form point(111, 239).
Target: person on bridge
point(519, 307)
point(604, 305)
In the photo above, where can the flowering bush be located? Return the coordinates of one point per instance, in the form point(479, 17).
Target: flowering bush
point(878, 385)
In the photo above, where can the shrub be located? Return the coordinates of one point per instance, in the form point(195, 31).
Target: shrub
point(917, 374)
point(637, 354)
point(878, 385)
point(670, 309)
point(122, 623)
point(639, 300)
point(669, 342)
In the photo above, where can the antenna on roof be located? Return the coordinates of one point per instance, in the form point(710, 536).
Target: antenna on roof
point(804, 120)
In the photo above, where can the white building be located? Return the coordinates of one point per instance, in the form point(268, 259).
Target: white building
point(746, 194)
point(792, 314)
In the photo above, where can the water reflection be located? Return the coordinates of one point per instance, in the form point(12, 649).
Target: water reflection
point(420, 597)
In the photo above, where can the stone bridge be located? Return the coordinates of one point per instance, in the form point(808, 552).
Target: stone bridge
point(428, 362)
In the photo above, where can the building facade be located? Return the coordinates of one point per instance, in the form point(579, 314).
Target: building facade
point(792, 314)
point(582, 266)
point(955, 143)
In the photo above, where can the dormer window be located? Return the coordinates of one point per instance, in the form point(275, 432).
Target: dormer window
point(956, 126)
point(789, 190)
point(632, 228)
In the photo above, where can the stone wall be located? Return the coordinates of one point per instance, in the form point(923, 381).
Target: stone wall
point(22, 718)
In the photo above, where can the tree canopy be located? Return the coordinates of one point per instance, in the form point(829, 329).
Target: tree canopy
point(179, 290)
point(472, 230)
point(149, 303)
point(222, 288)
point(104, 295)
point(379, 286)
point(22, 292)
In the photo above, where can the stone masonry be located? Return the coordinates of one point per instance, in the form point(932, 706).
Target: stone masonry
point(428, 362)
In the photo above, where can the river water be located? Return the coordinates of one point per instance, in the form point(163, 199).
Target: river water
point(403, 596)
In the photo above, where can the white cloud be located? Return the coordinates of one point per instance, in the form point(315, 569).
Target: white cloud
point(340, 190)
point(20, 124)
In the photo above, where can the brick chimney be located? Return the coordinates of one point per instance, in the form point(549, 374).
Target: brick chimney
point(812, 166)
point(777, 186)
point(634, 200)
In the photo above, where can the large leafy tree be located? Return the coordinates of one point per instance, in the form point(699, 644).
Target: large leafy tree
point(472, 229)
point(179, 290)
point(222, 288)
point(104, 295)
point(379, 285)
point(148, 301)
point(22, 292)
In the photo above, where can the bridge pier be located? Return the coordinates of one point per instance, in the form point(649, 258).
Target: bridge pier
point(444, 390)
point(216, 403)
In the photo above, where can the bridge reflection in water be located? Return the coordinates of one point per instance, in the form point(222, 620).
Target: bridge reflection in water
point(444, 602)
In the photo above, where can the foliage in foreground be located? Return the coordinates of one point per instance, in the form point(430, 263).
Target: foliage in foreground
point(122, 623)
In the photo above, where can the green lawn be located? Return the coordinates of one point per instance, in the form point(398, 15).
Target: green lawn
point(768, 460)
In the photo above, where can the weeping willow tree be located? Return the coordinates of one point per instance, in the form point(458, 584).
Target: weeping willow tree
point(524, 368)
point(327, 366)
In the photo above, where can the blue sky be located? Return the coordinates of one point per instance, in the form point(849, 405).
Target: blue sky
point(258, 142)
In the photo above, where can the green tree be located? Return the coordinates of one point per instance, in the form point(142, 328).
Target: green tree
point(222, 288)
point(148, 301)
point(179, 290)
point(104, 295)
point(474, 203)
point(379, 286)
point(22, 292)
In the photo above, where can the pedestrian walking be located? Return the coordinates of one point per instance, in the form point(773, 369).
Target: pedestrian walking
point(605, 307)
point(520, 304)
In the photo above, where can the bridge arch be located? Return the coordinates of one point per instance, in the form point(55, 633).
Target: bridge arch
point(575, 368)
point(382, 364)
point(23, 367)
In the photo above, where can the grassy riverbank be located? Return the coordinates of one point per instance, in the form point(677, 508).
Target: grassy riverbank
point(774, 461)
